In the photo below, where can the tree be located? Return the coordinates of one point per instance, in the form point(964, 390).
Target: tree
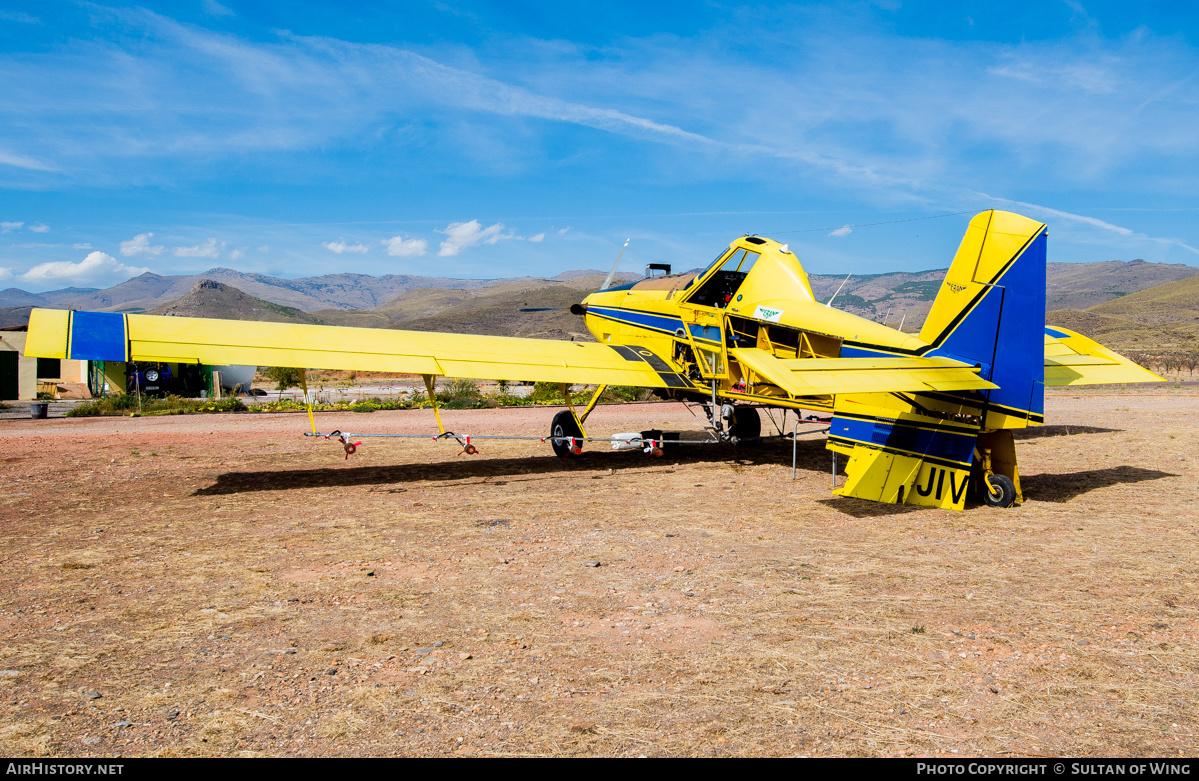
point(285, 377)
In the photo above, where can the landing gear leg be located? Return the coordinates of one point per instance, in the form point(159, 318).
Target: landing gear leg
point(995, 476)
point(595, 397)
point(429, 386)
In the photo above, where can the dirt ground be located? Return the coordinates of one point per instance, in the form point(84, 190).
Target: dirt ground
point(222, 585)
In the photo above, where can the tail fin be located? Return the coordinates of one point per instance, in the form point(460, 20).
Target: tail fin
point(990, 311)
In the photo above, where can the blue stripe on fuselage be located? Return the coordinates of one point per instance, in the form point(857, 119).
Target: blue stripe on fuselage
point(890, 435)
point(640, 319)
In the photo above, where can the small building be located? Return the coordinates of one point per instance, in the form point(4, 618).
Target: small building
point(26, 379)
point(18, 374)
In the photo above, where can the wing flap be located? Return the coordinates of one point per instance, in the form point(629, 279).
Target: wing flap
point(1073, 359)
point(822, 376)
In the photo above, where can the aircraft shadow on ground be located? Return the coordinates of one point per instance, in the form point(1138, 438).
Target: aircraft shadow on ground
point(810, 456)
point(861, 508)
point(1037, 488)
point(1059, 430)
point(1049, 487)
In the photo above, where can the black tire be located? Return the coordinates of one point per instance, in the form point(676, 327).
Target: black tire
point(1002, 492)
point(746, 425)
point(564, 425)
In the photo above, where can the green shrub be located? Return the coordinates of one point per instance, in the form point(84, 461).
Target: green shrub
point(618, 393)
point(461, 394)
point(170, 405)
point(546, 393)
point(505, 399)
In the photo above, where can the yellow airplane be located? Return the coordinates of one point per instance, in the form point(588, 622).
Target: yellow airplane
point(924, 419)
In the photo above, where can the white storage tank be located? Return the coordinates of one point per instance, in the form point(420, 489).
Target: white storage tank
point(232, 376)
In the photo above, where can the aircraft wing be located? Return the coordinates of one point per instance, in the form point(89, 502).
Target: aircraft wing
point(823, 376)
point(1073, 359)
point(110, 336)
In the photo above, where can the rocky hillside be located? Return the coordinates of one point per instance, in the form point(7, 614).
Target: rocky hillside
point(215, 299)
point(1162, 318)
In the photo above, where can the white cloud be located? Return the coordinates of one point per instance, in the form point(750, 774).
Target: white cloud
point(5, 273)
point(563, 231)
point(538, 237)
point(467, 234)
point(83, 245)
point(339, 247)
point(844, 230)
point(237, 254)
point(399, 247)
point(6, 227)
point(17, 16)
point(264, 248)
point(209, 249)
point(140, 245)
point(22, 161)
point(1095, 222)
point(96, 267)
point(39, 227)
point(213, 8)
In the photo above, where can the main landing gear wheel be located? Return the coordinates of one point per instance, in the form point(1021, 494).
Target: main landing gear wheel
point(745, 426)
point(1001, 491)
point(564, 426)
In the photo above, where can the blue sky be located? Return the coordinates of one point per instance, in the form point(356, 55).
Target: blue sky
point(517, 138)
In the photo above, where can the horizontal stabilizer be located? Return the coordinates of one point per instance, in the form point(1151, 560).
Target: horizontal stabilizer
point(1073, 359)
point(822, 376)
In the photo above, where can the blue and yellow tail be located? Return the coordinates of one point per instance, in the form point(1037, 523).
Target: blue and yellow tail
point(990, 312)
point(934, 448)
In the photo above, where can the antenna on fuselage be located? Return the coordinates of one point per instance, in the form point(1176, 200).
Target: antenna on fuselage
point(830, 301)
point(612, 274)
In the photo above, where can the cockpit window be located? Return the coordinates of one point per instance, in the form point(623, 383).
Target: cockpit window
point(733, 261)
point(701, 274)
point(720, 288)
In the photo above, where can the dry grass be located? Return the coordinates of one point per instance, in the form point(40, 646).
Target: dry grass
point(206, 576)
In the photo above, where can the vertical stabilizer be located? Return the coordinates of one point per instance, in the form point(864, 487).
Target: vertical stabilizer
point(990, 311)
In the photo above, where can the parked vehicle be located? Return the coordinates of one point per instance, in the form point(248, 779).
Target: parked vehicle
point(154, 379)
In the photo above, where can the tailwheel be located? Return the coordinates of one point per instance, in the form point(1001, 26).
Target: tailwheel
point(998, 491)
point(562, 429)
point(745, 426)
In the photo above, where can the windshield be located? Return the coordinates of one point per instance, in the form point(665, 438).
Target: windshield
point(708, 268)
point(718, 289)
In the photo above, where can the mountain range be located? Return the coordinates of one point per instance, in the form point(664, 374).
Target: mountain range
point(1129, 304)
point(309, 294)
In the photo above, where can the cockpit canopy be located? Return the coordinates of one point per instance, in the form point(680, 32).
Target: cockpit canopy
point(719, 288)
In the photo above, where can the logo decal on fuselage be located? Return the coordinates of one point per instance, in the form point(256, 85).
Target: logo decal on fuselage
point(768, 314)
